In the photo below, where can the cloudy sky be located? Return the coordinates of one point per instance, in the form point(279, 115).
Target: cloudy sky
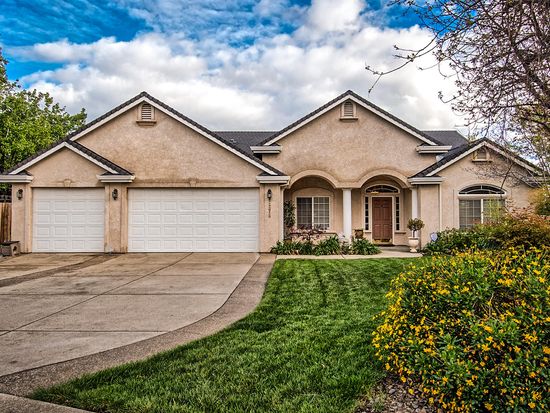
point(228, 64)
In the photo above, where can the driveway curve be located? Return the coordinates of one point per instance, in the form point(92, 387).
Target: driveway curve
point(92, 304)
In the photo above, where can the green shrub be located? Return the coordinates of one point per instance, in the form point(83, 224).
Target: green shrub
point(328, 246)
point(363, 246)
point(541, 201)
point(472, 331)
point(523, 229)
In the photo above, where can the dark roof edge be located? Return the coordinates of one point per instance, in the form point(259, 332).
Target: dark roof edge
point(209, 132)
point(119, 170)
point(365, 102)
point(460, 150)
point(159, 103)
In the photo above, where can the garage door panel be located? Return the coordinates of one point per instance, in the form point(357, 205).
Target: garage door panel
point(193, 220)
point(68, 220)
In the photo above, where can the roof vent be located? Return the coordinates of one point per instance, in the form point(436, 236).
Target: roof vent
point(481, 155)
point(146, 114)
point(348, 111)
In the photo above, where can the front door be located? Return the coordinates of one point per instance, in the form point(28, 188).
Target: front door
point(382, 226)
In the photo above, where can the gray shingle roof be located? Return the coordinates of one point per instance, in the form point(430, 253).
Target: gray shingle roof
point(449, 156)
point(447, 137)
point(245, 139)
point(459, 150)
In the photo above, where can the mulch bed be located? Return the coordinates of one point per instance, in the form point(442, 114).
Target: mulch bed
point(392, 396)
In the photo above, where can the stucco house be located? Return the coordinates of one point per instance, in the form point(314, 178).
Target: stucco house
point(145, 178)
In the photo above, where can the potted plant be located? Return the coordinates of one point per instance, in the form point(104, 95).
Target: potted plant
point(414, 224)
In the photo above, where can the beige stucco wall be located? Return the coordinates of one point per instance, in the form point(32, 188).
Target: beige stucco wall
point(350, 152)
point(169, 154)
point(465, 173)
point(65, 169)
point(21, 216)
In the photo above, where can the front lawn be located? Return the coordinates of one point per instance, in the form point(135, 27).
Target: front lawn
point(306, 348)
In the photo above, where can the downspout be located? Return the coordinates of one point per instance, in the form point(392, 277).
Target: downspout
point(440, 208)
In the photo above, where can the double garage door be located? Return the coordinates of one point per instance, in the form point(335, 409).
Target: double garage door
point(159, 220)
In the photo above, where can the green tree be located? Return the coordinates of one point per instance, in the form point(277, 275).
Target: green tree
point(29, 120)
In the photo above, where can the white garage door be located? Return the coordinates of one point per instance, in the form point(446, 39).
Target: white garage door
point(199, 220)
point(68, 220)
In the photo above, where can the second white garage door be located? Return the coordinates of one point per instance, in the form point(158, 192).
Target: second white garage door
point(198, 220)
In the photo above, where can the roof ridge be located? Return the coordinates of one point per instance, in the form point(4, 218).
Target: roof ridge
point(145, 94)
point(212, 133)
point(350, 92)
point(459, 150)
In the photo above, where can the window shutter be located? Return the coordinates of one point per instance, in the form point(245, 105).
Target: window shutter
point(146, 112)
point(348, 109)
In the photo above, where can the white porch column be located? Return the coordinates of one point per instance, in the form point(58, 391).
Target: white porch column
point(414, 199)
point(346, 212)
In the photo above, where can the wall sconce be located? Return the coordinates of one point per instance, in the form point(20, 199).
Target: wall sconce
point(20, 194)
point(269, 194)
point(115, 194)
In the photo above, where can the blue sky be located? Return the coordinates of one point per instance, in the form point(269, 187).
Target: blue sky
point(239, 53)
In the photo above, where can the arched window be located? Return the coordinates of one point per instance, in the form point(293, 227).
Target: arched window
point(480, 204)
point(382, 189)
point(482, 190)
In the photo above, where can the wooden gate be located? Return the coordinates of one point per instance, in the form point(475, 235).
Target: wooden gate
point(5, 221)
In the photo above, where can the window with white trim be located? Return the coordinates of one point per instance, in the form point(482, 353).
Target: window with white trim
point(313, 212)
point(367, 223)
point(480, 204)
point(397, 214)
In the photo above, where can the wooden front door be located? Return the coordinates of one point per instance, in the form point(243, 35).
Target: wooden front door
point(382, 226)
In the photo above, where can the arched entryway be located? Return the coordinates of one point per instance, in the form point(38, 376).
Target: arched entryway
point(316, 202)
point(386, 209)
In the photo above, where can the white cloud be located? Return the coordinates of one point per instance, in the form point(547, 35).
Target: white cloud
point(329, 15)
point(265, 85)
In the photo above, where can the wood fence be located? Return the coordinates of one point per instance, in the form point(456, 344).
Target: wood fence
point(5, 221)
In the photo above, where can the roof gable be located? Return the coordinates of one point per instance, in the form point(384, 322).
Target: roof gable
point(133, 102)
point(458, 153)
point(350, 95)
point(107, 165)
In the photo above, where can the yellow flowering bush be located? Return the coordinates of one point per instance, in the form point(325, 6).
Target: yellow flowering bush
point(472, 331)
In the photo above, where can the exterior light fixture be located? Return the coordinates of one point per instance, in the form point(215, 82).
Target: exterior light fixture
point(115, 194)
point(20, 194)
point(269, 194)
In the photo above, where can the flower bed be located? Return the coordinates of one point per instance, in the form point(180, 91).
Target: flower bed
point(472, 331)
point(324, 245)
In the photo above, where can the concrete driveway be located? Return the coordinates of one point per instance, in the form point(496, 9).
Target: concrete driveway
point(58, 307)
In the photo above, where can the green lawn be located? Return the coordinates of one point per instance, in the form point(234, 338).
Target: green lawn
point(306, 348)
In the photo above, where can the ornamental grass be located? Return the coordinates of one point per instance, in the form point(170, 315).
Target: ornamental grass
point(472, 331)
